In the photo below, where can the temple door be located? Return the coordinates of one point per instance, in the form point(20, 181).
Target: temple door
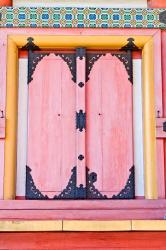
point(79, 126)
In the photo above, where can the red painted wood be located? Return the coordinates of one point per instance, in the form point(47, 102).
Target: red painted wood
point(83, 240)
point(51, 126)
point(156, 4)
point(109, 124)
point(6, 3)
point(80, 105)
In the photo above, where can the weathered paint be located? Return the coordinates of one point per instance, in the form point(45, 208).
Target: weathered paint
point(51, 125)
point(109, 124)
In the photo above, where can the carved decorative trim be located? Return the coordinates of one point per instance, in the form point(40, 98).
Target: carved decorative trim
point(80, 120)
point(90, 60)
point(129, 190)
point(35, 58)
point(126, 60)
point(32, 193)
point(73, 192)
point(162, 17)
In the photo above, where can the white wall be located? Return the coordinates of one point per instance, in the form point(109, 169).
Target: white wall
point(138, 127)
point(22, 127)
point(83, 3)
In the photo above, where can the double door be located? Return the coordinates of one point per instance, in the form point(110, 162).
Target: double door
point(80, 129)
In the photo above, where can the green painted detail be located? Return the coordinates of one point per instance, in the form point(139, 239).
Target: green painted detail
point(81, 17)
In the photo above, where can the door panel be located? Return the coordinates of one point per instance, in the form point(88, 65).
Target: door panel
point(51, 125)
point(109, 124)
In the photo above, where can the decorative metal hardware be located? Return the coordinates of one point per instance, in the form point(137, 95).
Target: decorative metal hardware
point(92, 192)
point(30, 45)
point(2, 114)
point(91, 59)
point(162, 17)
point(81, 84)
point(32, 193)
point(129, 190)
point(35, 58)
point(80, 52)
point(73, 192)
point(80, 120)
point(80, 157)
point(164, 126)
point(126, 60)
point(130, 46)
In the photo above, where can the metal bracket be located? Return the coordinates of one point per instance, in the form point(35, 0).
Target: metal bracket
point(30, 45)
point(130, 46)
point(80, 52)
point(80, 120)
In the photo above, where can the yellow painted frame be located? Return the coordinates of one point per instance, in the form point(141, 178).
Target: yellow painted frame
point(97, 41)
point(81, 225)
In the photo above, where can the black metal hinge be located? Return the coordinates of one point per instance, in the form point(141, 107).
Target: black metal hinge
point(164, 126)
point(80, 52)
point(80, 120)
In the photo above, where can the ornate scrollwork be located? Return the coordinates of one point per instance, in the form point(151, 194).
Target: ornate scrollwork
point(90, 60)
point(32, 193)
point(126, 60)
point(128, 192)
point(35, 58)
point(73, 192)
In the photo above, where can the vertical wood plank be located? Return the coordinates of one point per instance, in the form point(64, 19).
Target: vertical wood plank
point(80, 107)
point(149, 122)
point(3, 60)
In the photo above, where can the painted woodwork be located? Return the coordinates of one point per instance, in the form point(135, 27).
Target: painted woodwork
point(20, 41)
point(156, 4)
point(6, 3)
point(109, 124)
point(83, 240)
point(51, 125)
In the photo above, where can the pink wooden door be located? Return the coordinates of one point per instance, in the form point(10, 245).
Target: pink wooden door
point(109, 136)
point(51, 125)
point(80, 126)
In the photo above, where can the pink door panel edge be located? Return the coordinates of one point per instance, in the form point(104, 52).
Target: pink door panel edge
point(109, 136)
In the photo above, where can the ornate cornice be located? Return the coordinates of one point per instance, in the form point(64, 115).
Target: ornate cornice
point(71, 17)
